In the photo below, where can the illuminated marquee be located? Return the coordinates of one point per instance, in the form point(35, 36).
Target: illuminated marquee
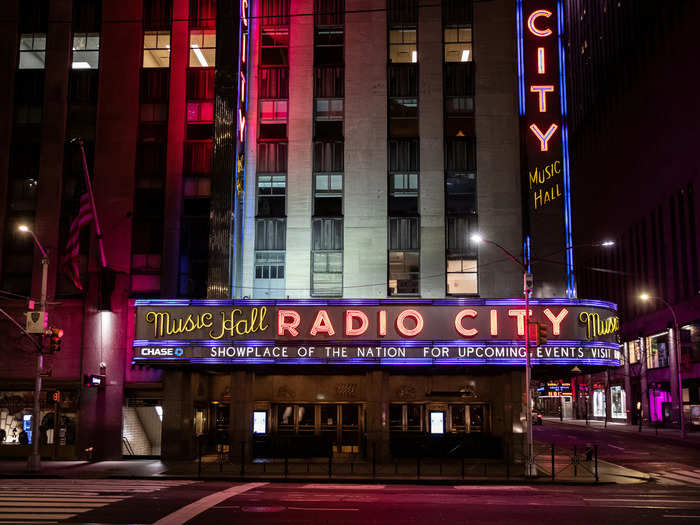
point(355, 331)
point(542, 94)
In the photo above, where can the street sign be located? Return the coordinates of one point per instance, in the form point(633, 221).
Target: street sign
point(36, 322)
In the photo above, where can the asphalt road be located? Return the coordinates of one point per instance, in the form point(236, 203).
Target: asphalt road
point(663, 458)
point(169, 503)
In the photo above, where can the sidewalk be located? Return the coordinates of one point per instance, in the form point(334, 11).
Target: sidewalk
point(667, 434)
point(427, 471)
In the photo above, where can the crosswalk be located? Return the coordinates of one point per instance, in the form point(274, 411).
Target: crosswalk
point(678, 477)
point(42, 501)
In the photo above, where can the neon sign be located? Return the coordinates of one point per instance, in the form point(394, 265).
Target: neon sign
point(544, 135)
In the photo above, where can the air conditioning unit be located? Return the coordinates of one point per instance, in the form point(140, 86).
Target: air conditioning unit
point(36, 322)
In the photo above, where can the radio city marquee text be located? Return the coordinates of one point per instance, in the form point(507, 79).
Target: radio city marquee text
point(371, 332)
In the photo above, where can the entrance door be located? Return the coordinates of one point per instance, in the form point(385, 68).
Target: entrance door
point(349, 442)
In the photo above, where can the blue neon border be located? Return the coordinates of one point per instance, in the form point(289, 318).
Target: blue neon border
point(571, 277)
point(449, 301)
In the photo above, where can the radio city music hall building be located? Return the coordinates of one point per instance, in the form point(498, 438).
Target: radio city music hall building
point(287, 190)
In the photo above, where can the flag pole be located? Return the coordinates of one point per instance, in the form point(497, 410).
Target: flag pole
point(88, 185)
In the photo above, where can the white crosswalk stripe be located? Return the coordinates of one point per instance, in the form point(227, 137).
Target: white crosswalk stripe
point(678, 477)
point(40, 501)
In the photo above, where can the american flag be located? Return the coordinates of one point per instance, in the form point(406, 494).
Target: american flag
point(71, 260)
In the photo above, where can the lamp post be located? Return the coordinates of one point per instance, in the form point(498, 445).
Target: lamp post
point(677, 352)
point(34, 462)
point(530, 469)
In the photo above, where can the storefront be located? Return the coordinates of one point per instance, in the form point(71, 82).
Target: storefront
point(356, 377)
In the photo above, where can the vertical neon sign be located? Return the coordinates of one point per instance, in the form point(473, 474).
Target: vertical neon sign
point(241, 128)
point(544, 135)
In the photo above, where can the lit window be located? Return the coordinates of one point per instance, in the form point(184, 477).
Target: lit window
point(328, 184)
point(404, 273)
point(462, 277)
point(458, 44)
point(156, 49)
point(86, 50)
point(32, 51)
point(200, 111)
point(203, 48)
point(273, 111)
point(404, 184)
point(402, 46)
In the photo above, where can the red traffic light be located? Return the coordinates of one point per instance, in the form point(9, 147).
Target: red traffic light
point(59, 333)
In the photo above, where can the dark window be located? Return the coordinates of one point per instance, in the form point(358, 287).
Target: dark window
point(275, 48)
point(459, 231)
point(328, 156)
point(157, 14)
point(457, 12)
point(329, 12)
point(198, 158)
point(403, 155)
point(194, 252)
point(83, 87)
point(274, 82)
point(34, 16)
point(329, 82)
point(459, 89)
point(203, 14)
point(329, 47)
point(403, 12)
point(87, 16)
point(403, 80)
point(460, 155)
point(460, 192)
point(272, 157)
point(274, 12)
point(200, 83)
point(29, 96)
point(327, 234)
point(403, 233)
point(270, 234)
point(271, 195)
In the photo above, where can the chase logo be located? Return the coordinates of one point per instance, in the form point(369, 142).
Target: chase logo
point(178, 351)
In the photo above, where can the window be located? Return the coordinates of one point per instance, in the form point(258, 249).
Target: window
point(274, 83)
point(29, 96)
point(405, 418)
point(618, 402)
point(329, 109)
point(404, 258)
point(458, 44)
point(459, 231)
point(457, 11)
point(197, 158)
point(203, 48)
point(459, 89)
point(329, 12)
point(157, 14)
point(460, 193)
point(271, 194)
point(32, 51)
point(328, 47)
point(272, 111)
point(402, 46)
point(657, 350)
point(156, 49)
point(275, 48)
point(403, 12)
point(633, 351)
point(272, 157)
point(327, 257)
point(328, 184)
point(86, 50)
point(274, 12)
point(200, 84)
point(203, 14)
point(270, 234)
point(194, 248)
point(460, 155)
point(462, 277)
point(328, 156)
point(269, 275)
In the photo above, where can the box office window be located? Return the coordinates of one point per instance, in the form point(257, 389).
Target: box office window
point(468, 418)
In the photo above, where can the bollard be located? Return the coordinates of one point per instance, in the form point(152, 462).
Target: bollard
point(595, 455)
point(552, 461)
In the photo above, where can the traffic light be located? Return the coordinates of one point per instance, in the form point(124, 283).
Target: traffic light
point(541, 334)
point(56, 396)
point(54, 335)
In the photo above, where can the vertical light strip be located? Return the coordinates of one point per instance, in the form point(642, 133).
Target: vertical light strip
point(521, 63)
point(571, 278)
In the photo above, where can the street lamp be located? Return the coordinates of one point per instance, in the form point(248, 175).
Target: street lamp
point(34, 462)
point(530, 469)
point(677, 351)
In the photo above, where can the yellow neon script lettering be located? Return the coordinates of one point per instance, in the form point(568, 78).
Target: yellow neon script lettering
point(234, 323)
point(595, 327)
point(164, 325)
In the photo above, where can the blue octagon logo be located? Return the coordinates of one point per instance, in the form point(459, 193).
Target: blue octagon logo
point(178, 351)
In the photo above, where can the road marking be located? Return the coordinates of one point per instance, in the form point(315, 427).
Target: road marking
point(319, 508)
point(637, 500)
point(321, 486)
point(692, 481)
point(682, 516)
point(614, 446)
point(496, 488)
point(188, 512)
point(688, 473)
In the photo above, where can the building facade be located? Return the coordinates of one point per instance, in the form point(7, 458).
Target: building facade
point(646, 181)
point(278, 154)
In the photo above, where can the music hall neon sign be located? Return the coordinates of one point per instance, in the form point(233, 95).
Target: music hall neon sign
point(544, 135)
